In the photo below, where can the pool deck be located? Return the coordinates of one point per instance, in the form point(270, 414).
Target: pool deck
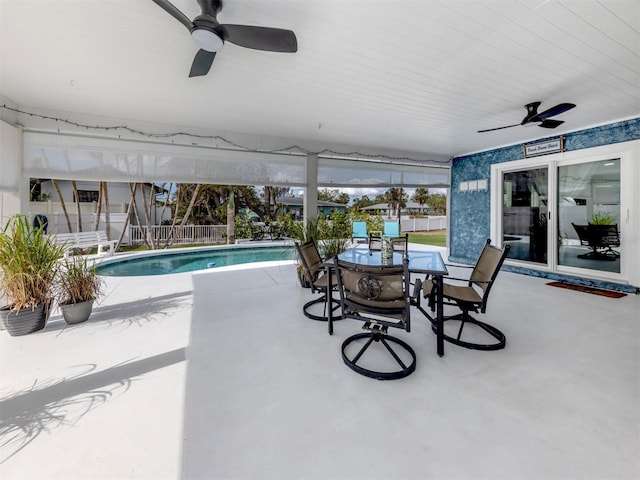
point(217, 374)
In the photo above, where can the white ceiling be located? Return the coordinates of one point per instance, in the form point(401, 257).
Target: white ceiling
point(411, 76)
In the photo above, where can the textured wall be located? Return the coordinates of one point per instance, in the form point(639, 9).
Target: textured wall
point(470, 211)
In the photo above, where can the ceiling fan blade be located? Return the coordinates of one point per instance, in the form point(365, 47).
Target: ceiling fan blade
point(202, 63)
point(551, 123)
point(175, 13)
point(498, 128)
point(259, 38)
point(553, 111)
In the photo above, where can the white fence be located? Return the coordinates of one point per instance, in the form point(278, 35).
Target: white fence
point(179, 235)
point(423, 224)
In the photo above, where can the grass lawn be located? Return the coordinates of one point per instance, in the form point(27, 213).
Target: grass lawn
point(437, 238)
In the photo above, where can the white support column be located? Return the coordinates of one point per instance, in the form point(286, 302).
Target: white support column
point(310, 203)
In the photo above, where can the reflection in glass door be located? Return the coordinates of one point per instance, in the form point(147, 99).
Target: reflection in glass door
point(525, 214)
point(589, 215)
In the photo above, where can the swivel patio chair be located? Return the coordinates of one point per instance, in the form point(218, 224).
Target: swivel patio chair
point(379, 297)
point(317, 277)
point(471, 297)
point(600, 239)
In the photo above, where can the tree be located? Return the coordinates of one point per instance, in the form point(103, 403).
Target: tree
point(421, 196)
point(343, 198)
point(62, 204)
point(438, 204)
point(107, 213)
point(231, 219)
point(271, 195)
point(74, 186)
point(327, 195)
point(360, 203)
point(396, 199)
point(132, 189)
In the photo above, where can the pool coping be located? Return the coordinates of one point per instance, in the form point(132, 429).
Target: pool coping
point(118, 257)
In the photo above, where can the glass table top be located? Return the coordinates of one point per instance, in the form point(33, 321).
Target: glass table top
point(419, 261)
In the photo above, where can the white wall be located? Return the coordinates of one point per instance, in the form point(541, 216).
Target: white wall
point(10, 171)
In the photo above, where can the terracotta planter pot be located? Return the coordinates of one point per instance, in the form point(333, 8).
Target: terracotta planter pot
point(77, 312)
point(23, 322)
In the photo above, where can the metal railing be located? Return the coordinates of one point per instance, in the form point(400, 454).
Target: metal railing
point(179, 235)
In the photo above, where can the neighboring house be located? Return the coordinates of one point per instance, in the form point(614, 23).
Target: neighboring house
point(294, 207)
point(45, 201)
point(411, 208)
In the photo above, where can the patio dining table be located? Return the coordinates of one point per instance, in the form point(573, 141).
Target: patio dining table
point(420, 261)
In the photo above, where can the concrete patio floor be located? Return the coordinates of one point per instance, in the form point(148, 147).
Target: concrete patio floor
point(219, 375)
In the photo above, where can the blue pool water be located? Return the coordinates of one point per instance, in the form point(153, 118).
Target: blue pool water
point(179, 262)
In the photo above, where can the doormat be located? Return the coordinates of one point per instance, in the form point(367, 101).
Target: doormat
point(582, 288)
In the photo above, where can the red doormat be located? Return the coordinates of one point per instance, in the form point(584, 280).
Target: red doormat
point(582, 288)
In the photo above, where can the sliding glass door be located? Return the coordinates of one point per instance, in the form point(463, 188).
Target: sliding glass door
point(564, 213)
point(589, 215)
point(524, 213)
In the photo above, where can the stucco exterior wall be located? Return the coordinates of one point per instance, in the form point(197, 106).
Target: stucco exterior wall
point(470, 211)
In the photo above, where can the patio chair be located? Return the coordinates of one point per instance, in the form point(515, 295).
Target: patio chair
point(359, 232)
point(316, 275)
point(379, 297)
point(257, 230)
point(391, 229)
point(600, 239)
point(471, 297)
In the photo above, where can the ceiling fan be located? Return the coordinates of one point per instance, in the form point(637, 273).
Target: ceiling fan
point(210, 35)
point(543, 118)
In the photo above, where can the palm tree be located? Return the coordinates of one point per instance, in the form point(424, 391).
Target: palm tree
point(396, 199)
point(231, 219)
point(421, 196)
point(62, 204)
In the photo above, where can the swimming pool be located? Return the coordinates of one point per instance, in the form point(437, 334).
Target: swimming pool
point(177, 261)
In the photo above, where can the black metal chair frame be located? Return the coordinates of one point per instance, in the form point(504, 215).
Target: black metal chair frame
point(400, 244)
point(479, 278)
point(316, 275)
point(377, 315)
point(600, 239)
point(275, 231)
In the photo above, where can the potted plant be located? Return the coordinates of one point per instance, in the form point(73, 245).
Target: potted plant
point(602, 219)
point(303, 233)
point(78, 286)
point(28, 267)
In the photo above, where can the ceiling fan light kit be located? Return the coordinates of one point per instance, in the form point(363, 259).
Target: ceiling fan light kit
point(542, 119)
point(209, 35)
point(207, 40)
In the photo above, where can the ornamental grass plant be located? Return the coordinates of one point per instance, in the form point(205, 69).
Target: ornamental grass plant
point(28, 264)
point(78, 282)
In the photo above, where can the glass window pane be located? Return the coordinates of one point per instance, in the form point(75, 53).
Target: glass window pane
point(589, 215)
point(524, 214)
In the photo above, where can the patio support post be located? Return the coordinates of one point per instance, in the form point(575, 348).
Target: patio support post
point(310, 203)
